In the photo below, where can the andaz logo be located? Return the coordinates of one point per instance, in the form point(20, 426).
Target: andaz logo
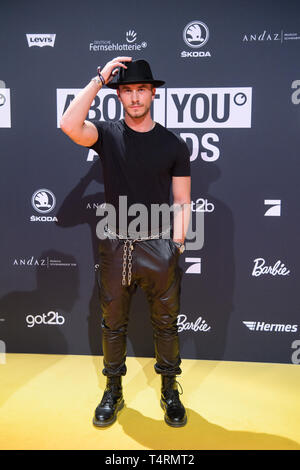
point(274, 327)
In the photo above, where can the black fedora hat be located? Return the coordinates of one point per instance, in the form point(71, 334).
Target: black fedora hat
point(138, 71)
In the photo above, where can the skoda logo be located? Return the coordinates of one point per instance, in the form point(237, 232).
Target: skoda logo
point(43, 201)
point(195, 34)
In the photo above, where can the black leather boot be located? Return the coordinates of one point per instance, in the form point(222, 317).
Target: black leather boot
point(112, 402)
point(175, 414)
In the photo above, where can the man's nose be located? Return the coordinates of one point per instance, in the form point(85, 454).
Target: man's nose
point(134, 95)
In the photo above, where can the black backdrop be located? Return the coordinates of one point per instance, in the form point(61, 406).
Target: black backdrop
point(233, 94)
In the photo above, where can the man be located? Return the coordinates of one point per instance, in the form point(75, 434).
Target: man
point(141, 160)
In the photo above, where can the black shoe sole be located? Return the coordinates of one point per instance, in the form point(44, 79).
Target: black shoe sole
point(172, 423)
point(101, 424)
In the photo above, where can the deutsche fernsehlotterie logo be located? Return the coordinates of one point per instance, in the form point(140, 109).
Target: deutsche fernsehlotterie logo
point(109, 45)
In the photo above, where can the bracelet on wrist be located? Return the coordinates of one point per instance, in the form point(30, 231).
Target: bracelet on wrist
point(97, 80)
point(100, 75)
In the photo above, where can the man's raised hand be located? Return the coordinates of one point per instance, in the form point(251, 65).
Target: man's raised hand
point(111, 68)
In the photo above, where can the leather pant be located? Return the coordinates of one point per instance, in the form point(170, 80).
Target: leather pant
point(156, 270)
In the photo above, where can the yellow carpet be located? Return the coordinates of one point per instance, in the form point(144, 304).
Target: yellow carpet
point(48, 401)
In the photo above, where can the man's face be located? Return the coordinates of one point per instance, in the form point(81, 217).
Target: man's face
point(136, 99)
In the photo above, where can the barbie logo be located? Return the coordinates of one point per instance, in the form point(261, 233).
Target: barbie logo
point(198, 325)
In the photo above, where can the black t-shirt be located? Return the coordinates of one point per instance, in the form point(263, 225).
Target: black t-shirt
point(139, 165)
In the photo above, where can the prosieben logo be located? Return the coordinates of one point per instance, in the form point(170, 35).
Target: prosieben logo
point(41, 40)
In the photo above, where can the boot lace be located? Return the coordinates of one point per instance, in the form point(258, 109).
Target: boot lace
point(107, 398)
point(172, 396)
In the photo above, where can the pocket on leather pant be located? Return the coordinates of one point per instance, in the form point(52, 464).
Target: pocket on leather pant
point(106, 245)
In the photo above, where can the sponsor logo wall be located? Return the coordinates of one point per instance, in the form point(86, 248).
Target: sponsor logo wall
point(232, 93)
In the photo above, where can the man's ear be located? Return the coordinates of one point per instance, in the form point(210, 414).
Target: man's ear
point(153, 93)
point(118, 94)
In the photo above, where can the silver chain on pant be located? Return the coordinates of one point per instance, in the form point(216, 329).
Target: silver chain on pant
point(128, 248)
